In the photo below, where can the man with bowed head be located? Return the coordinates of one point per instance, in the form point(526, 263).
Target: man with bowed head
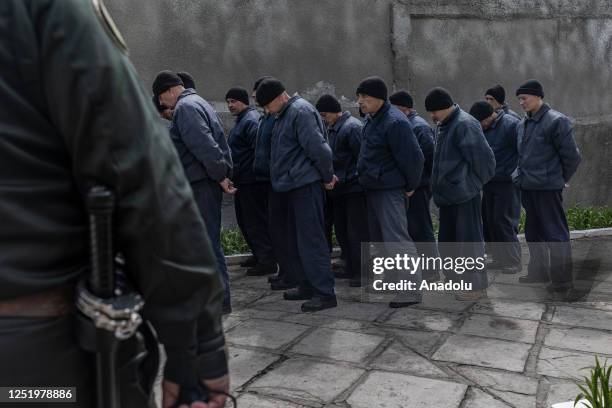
point(300, 160)
point(463, 163)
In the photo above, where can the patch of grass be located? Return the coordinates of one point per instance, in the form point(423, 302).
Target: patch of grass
point(233, 242)
point(578, 218)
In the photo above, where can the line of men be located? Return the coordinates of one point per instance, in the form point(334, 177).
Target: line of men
point(379, 175)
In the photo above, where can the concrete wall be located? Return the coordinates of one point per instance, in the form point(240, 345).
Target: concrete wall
point(328, 46)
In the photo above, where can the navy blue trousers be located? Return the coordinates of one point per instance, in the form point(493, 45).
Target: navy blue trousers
point(278, 226)
point(251, 206)
point(461, 236)
point(388, 224)
point(547, 234)
point(306, 239)
point(350, 217)
point(420, 226)
point(208, 196)
point(501, 211)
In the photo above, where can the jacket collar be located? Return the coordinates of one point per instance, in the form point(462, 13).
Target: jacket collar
point(343, 118)
point(413, 114)
point(452, 115)
point(497, 119)
point(381, 112)
point(539, 114)
point(186, 92)
point(243, 113)
point(289, 103)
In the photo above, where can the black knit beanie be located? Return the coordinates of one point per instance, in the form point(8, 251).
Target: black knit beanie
point(531, 87)
point(187, 79)
point(373, 86)
point(438, 99)
point(268, 90)
point(402, 98)
point(239, 94)
point(259, 81)
point(498, 92)
point(328, 103)
point(481, 110)
point(164, 81)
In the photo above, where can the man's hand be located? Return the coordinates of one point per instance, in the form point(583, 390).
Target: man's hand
point(332, 183)
point(227, 186)
point(171, 392)
point(409, 193)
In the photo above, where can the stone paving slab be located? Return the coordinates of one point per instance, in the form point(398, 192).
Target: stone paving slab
point(265, 333)
point(565, 363)
point(510, 308)
point(499, 380)
point(423, 342)
point(246, 364)
point(573, 316)
point(500, 328)
point(386, 390)
point(306, 380)
point(423, 319)
point(517, 292)
point(443, 301)
point(256, 401)
point(484, 352)
point(357, 311)
point(480, 399)
point(517, 400)
point(338, 345)
point(401, 359)
point(588, 340)
point(319, 320)
point(561, 392)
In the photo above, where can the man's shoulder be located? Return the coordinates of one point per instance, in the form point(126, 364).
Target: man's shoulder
point(352, 122)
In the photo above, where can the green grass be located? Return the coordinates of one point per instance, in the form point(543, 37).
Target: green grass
point(578, 218)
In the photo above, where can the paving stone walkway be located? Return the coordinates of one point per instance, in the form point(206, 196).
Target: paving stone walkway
point(516, 349)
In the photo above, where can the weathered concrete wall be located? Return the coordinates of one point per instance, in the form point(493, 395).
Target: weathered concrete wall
point(328, 46)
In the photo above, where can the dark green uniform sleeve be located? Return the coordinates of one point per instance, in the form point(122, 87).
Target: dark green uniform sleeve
point(114, 138)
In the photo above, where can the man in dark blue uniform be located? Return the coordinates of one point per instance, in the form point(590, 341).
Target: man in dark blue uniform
point(251, 198)
point(390, 166)
point(74, 114)
point(420, 225)
point(501, 200)
point(350, 210)
point(463, 163)
point(548, 158)
point(496, 97)
point(277, 202)
point(200, 142)
point(300, 160)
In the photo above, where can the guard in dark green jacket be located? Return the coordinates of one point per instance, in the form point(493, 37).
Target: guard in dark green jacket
point(74, 114)
point(463, 163)
point(548, 158)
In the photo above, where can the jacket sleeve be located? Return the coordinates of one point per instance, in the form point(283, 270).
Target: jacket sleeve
point(353, 139)
point(564, 142)
point(195, 131)
point(476, 151)
point(425, 137)
point(311, 136)
point(113, 136)
point(406, 153)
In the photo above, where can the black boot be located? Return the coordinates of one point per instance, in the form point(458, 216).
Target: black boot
point(298, 294)
point(319, 303)
point(398, 305)
point(249, 262)
point(260, 270)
